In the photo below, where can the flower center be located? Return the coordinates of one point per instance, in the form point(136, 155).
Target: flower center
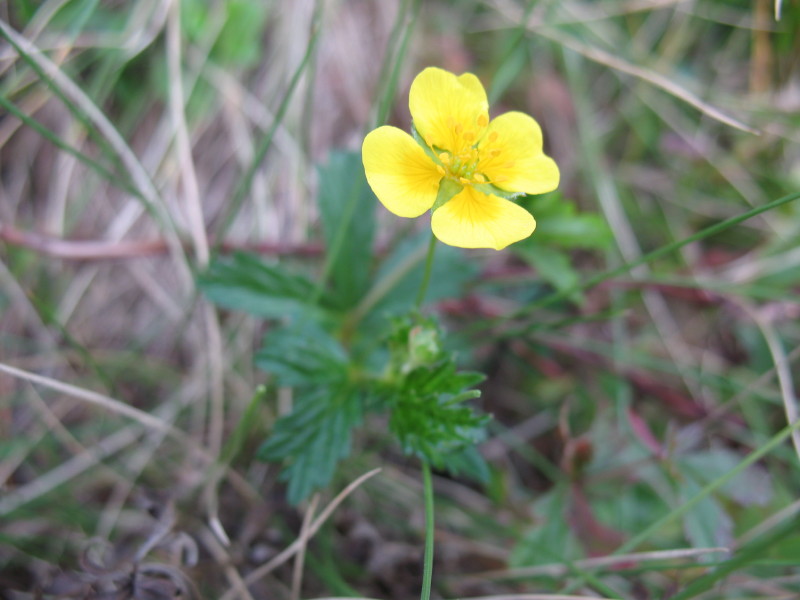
point(461, 166)
point(461, 162)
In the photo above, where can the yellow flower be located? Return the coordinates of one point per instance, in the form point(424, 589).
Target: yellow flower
point(461, 164)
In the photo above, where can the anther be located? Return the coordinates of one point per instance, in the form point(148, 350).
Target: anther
point(479, 177)
point(464, 181)
point(469, 136)
point(493, 136)
point(483, 121)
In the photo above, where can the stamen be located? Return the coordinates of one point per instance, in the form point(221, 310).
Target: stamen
point(493, 137)
point(479, 177)
point(464, 181)
point(458, 128)
point(440, 169)
point(494, 153)
point(483, 121)
point(445, 157)
point(469, 136)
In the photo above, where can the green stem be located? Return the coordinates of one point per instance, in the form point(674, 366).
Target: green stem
point(379, 291)
point(426, 277)
point(427, 570)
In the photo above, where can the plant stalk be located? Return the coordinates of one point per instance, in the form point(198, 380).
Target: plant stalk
point(426, 277)
point(427, 569)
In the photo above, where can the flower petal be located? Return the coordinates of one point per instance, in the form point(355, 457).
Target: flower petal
point(402, 176)
point(445, 108)
point(473, 219)
point(511, 155)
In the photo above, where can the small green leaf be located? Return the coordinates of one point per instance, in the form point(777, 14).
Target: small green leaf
point(314, 437)
point(426, 395)
point(347, 210)
point(302, 353)
point(429, 416)
point(244, 282)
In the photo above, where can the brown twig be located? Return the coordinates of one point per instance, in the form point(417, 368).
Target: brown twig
point(98, 250)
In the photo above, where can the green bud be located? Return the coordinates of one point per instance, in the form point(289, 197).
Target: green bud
point(423, 345)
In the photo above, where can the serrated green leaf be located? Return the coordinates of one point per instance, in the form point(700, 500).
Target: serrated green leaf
point(428, 414)
point(441, 378)
point(347, 210)
point(314, 437)
point(426, 394)
point(244, 282)
point(302, 353)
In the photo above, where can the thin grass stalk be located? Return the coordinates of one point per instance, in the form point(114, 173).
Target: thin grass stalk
point(706, 491)
point(246, 182)
point(623, 269)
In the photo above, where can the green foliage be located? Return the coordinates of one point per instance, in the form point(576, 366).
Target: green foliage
point(559, 224)
point(302, 353)
point(23, 10)
point(416, 382)
point(709, 522)
point(316, 434)
point(550, 540)
point(238, 42)
point(347, 208)
point(79, 15)
point(314, 437)
point(553, 266)
point(451, 272)
point(706, 525)
point(418, 386)
point(244, 282)
point(427, 394)
point(559, 229)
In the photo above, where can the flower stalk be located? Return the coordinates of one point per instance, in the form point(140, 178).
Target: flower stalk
point(427, 568)
point(426, 276)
